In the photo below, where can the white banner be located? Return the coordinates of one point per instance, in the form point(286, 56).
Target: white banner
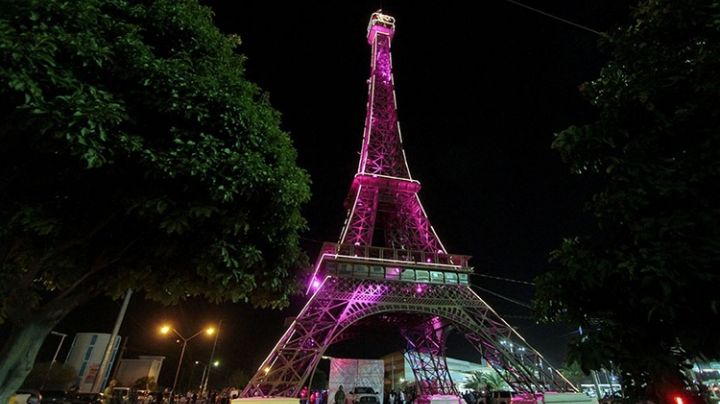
point(351, 373)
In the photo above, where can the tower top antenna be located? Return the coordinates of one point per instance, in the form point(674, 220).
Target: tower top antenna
point(380, 22)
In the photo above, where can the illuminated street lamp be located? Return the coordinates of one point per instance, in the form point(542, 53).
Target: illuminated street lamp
point(204, 385)
point(166, 329)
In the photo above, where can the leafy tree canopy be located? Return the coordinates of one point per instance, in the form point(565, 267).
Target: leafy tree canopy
point(482, 380)
point(134, 154)
point(44, 375)
point(643, 285)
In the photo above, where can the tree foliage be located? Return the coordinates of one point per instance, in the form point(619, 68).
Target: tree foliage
point(319, 380)
point(481, 381)
point(59, 376)
point(135, 154)
point(238, 378)
point(135, 151)
point(146, 383)
point(643, 284)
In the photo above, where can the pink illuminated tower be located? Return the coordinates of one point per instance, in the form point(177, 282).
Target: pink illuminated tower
point(390, 269)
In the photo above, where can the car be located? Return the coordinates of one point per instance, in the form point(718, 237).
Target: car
point(28, 396)
point(500, 397)
point(85, 398)
point(55, 397)
point(363, 395)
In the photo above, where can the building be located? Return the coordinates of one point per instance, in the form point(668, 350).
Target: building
point(130, 370)
point(86, 354)
point(398, 371)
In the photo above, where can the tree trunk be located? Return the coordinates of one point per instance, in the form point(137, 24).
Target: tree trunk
point(18, 354)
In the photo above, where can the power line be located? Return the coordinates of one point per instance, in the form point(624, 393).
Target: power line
point(546, 14)
point(504, 279)
point(518, 317)
point(519, 303)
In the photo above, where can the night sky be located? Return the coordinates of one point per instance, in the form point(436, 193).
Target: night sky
point(480, 95)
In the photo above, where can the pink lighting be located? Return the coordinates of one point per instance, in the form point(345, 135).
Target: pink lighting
point(390, 263)
point(383, 173)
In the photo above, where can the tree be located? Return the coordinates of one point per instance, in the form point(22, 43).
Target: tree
point(56, 377)
point(574, 373)
point(146, 383)
point(319, 380)
point(643, 284)
point(238, 378)
point(134, 154)
point(480, 381)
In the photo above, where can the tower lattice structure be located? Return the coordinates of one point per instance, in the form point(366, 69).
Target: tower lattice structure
point(390, 266)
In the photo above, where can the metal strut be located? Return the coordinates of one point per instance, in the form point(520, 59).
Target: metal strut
point(342, 302)
point(426, 354)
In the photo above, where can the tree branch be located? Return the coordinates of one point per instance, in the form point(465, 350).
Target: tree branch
point(97, 268)
point(77, 241)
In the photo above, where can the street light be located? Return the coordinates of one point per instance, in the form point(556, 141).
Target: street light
point(204, 386)
point(54, 359)
point(165, 329)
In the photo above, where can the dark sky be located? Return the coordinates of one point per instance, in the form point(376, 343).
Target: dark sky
point(480, 94)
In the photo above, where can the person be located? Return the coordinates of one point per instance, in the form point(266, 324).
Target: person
point(304, 395)
point(391, 397)
point(107, 394)
point(401, 397)
point(340, 396)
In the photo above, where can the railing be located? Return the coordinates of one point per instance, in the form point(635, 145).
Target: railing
point(458, 262)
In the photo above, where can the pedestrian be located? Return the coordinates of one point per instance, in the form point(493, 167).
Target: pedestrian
point(340, 396)
point(304, 395)
point(401, 397)
point(391, 397)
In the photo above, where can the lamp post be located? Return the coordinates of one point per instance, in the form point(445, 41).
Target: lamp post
point(204, 386)
point(54, 359)
point(166, 330)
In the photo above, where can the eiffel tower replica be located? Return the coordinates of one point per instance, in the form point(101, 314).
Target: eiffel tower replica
point(390, 268)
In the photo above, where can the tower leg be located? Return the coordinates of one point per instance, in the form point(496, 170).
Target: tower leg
point(341, 302)
point(426, 354)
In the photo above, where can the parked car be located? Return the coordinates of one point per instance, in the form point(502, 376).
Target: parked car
point(54, 397)
point(363, 395)
point(500, 397)
point(86, 398)
point(28, 397)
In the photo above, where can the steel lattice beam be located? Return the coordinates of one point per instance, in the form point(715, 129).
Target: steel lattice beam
point(342, 302)
point(426, 354)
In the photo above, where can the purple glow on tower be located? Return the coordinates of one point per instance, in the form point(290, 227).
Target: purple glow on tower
point(315, 284)
point(383, 173)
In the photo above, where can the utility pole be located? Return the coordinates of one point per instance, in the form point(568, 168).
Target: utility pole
point(105, 364)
